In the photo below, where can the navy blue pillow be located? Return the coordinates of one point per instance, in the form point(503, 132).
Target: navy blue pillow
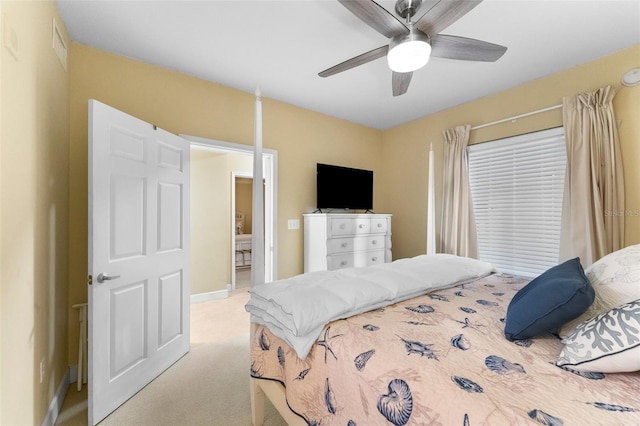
point(554, 298)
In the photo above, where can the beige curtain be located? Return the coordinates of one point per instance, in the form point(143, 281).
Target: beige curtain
point(458, 221)
point(593, 207)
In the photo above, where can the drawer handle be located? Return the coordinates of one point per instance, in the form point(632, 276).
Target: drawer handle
point(343, 245)
point(374, 258)
point(342, 226)
point(343, 263)
point(361, 226)
point(379, 225)
point(374, 242)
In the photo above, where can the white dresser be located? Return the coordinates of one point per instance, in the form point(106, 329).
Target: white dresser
point(337, 241)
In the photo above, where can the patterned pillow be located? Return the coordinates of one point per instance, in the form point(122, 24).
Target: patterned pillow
point(608, 343)
point(615, 279)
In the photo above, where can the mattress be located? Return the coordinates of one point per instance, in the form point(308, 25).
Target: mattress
point(441, 358)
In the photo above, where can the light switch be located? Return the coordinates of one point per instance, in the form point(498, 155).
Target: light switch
point(294, 224)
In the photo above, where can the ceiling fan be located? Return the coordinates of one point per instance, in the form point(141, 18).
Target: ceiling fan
point(412, 43)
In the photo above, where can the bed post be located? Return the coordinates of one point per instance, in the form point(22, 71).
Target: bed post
point(256, 392)
point(257, 403)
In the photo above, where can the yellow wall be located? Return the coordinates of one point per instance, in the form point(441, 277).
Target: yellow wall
point(43, 172)
point(209, 222)
point(244, 202)
point(34, 149)
point(406, 147)
point(211, 253)
point(186, 105)
point(243, 165)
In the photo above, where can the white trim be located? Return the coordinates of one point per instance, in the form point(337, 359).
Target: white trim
point(271, 215)
point(214, 143)
point(211, 295)
point(515, 117)
point(58, 398)
point(271, 192)
point(73, 374)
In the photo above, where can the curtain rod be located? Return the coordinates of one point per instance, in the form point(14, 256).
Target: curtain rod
point(515, 117)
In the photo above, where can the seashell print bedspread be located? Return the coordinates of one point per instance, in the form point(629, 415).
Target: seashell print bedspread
point(441, 359)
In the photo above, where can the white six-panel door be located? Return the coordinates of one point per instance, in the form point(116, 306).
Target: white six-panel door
point(139, 242)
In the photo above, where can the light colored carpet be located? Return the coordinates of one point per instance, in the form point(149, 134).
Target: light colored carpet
point(219, 320)
point(208, 386)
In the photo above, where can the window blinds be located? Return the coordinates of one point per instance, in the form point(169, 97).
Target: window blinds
point(517, 186)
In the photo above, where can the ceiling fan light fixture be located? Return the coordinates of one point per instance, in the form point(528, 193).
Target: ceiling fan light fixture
point(409, 53)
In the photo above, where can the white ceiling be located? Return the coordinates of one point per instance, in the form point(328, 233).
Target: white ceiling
point(280, 46)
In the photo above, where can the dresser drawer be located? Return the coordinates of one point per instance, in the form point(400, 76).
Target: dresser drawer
point(243, 245)
point(340, 261)
point(373, 257)
point(357, 259)
point(339, 226)
point(349, 226)
point(379, 226)
point(342, 245)
point(362, 226)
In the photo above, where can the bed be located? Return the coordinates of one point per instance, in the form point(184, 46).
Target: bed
point(433, 356)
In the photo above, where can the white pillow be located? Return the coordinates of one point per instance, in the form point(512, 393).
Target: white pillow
point(608, 343)
point(615, 279)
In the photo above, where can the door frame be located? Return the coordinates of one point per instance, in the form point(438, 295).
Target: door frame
point(270, 171)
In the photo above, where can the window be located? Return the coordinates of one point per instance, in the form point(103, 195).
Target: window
point(517, 186)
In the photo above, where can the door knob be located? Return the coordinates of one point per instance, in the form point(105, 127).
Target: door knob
point(102, 277)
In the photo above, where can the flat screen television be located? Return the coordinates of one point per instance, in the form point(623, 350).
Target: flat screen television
point(344, 188)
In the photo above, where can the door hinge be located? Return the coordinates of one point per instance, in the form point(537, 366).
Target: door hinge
point(89, 279)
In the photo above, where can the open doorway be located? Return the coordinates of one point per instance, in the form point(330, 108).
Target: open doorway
point(214, 275)
point(242, 209)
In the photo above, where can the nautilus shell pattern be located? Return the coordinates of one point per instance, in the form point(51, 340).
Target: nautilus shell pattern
point(441, 359)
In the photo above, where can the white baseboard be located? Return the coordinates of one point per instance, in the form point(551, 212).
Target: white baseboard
point(58, 399)
point(212, 295)
point(73, 373)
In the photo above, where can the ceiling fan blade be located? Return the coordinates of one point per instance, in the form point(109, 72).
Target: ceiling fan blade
point(400, 82)
point(467, 49)
point(443, 14)
point(372, 55)
point(376, 16)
